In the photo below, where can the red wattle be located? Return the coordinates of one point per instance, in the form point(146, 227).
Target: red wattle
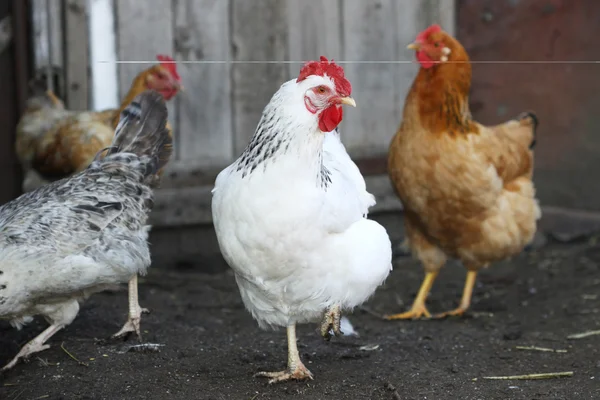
point(424, 60)
point(330, 118)
point(167, 94)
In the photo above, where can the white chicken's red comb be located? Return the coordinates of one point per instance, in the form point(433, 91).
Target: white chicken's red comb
point(334, 71)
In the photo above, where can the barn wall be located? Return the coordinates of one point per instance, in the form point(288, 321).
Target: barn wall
point(237, 53)
point(563, 88)
point(13, 35)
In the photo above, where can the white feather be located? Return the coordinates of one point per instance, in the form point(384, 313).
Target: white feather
point(297, 247)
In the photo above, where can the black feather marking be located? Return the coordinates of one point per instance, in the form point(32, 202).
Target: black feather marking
point(266, 144)
point(93, 227)
point(535, 122)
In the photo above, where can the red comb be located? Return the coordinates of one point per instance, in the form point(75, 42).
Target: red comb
point(169, 64)
point(332, 70)
point(421, 37)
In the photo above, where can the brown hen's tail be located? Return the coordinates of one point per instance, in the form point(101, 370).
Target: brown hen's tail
point(532, 119)
point(142, 131)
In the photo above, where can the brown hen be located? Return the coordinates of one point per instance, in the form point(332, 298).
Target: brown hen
point(466, 188)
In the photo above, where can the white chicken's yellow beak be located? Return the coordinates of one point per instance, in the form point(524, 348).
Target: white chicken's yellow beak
point(414, 46)
point(348, 101)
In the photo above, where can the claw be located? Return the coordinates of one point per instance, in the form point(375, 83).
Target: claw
point(331, 322)
point(418, 311)
point(133, 324)
point(452, 313)
point(298, 373)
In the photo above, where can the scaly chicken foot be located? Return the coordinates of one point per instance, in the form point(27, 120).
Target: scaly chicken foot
point(331, 322)
point(418, 309)
point(135, 312)
point(34, 346)
point(465, 301)
point(296, 369)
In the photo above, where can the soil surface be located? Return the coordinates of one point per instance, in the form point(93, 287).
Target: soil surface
point(211, 347)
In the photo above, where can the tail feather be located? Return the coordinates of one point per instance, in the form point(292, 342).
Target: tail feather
point(142, 131)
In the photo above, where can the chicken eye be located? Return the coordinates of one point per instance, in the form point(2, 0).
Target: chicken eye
point(321, 89)
point(437, 44)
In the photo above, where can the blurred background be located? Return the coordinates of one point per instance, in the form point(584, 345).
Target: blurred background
point(234, 54)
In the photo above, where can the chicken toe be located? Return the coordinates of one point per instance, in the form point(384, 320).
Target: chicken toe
point(296, 369)
point(300, 372)
point(418, 309)
point(331, 322)
point(34, 346)
point(466, 298)
point(135, 313)
point(457, 312)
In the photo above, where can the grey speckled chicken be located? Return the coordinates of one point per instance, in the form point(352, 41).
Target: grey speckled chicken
point(72, 238)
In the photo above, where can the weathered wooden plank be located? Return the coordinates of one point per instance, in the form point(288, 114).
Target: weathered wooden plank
point(76, 58)
point(259, 33)
point(205, 111)
point(314, 29)
point(378, 31)
point(369, 35)
point(143, 31)
point(438, 12)
point(6, 33)
point(47, 24)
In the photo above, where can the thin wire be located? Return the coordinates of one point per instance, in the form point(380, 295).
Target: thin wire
point(354, 62)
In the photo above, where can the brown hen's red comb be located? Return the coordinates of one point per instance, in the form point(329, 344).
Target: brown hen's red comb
point(169, 64)
point(332, 70)
point(422, 37)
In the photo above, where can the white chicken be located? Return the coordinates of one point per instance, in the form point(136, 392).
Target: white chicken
point(290, 214)
point(74, 237)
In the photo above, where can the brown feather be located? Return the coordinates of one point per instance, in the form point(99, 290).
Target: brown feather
point(466, 188)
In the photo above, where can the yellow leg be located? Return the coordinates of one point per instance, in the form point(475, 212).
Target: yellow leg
point(418, 308)
point(465, 301)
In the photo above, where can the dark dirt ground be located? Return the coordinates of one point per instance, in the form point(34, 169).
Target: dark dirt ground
point(212, 346)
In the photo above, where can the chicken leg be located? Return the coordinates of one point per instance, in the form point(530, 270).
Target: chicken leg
point(35, 345)
point(135, 312)
point(295, 370)
point(465, 301)
point(331, 321)
point(418, 308)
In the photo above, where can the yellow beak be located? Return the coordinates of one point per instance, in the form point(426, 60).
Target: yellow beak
point(414, 46)
point(348, 101)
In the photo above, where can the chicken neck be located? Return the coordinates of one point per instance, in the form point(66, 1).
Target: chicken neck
point(440, 98)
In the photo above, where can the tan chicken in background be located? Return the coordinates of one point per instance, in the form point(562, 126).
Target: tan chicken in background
point(466, 188)
point(53, 143)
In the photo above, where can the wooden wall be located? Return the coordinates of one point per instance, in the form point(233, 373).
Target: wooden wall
point(238, 50)
point(14, 71)
point(234, 55)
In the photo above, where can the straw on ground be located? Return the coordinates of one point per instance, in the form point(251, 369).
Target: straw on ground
point(535, 348)
point(548, 375)
point(583, 334)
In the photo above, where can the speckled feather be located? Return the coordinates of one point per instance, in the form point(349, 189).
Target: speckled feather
point(76, 236)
